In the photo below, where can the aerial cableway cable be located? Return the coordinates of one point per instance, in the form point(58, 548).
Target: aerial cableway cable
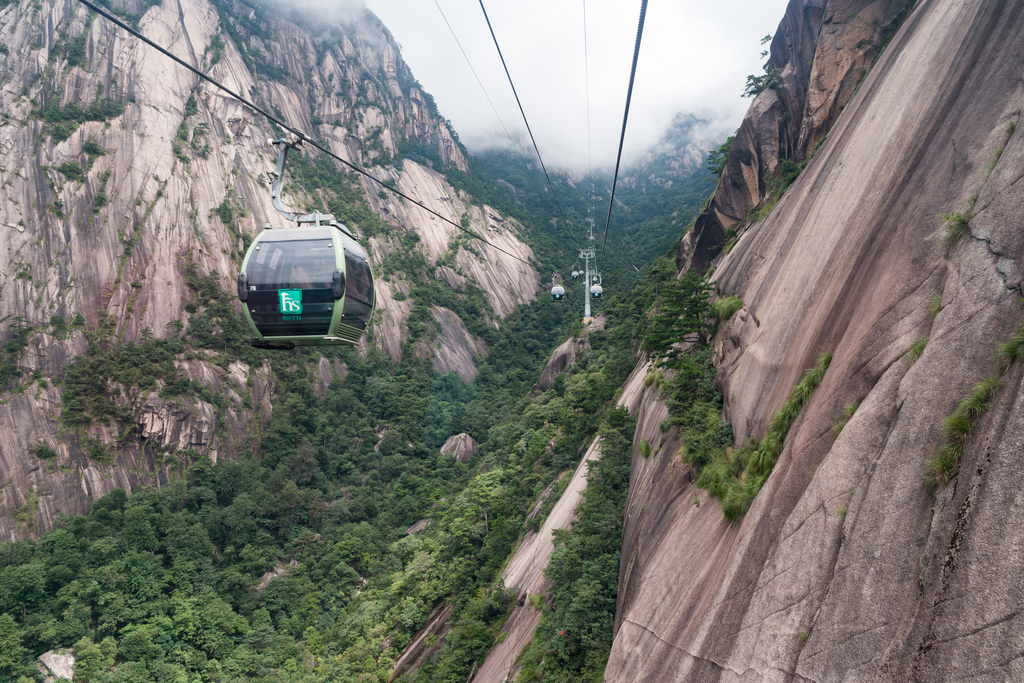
point(590, 156)
point(273, 119)
point(496, 114)
point(625, 117)
point(528, 130)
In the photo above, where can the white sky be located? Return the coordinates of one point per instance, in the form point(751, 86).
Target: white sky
point(694, 58)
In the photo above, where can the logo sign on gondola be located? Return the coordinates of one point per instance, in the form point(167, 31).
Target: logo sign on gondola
point(290, 301)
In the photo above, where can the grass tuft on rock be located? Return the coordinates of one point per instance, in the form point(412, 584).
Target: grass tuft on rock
point(736, 477)
point(958, 427)
point(956, 430)
point(1011, 351)
point(957, 224)
point(724, 308)
point(843, 419)
point(916, 349)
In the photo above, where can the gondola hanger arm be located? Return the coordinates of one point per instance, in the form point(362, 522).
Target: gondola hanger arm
point(283, 144)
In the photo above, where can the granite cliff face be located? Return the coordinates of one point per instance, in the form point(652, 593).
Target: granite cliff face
point(846, 567)
point(819, 56)
point(129, 183)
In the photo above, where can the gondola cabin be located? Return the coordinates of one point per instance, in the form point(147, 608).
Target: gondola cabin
point(596, 291)
point(557, 293)
point(309, 285)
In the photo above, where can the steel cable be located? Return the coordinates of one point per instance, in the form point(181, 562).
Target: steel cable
point(625, 117)
point(554, 195)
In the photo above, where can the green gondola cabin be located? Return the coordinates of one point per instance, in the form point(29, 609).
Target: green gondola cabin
point(306, 286)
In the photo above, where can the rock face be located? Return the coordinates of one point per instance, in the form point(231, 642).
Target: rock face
point(461, 446)
point(524, 576)
point(503, 273)
point(561, 358)
point(37, 490)
point(524, 573)
point(426, 642)
point(821, 53)
point(565, 354)
point(57, 664)
point(116, 216)
point(458, 348)
point(846, 568)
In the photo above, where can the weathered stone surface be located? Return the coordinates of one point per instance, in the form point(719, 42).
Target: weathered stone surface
point(57, 664)
point(418, 527)
point(845, 568)
point(426, 642)
point(457, 348)
point(462, 447)
point(561, 358)
point(524, 574)
point(822, 51)
point(504, 275)
point(565, 354)
point(324, 377)
point(451, 278)
point(38, 490)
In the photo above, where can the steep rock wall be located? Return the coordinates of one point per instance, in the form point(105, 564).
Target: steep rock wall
point(819, 56)
point(524, 573)
point(499, 263)
point(36, 490)
point(846, 568)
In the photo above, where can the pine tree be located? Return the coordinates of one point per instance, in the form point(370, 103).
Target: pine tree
point(683, 317)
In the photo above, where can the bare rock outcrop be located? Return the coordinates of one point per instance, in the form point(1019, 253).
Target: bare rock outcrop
point(426, 642)
point(75, 469)
point(327, 373)
point(57, 664)
point(498, 264)
point(820, 55)
point(565, 354)
point(462, 447)
point(457, 348)
point(524, 573)
point(846, 568)
point(561, 358)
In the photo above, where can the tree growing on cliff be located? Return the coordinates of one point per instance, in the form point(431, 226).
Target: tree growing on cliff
point(683, 316)
point(769, 79)
point(717, 157)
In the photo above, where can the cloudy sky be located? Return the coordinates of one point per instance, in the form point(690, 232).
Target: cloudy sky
point(694, 58)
